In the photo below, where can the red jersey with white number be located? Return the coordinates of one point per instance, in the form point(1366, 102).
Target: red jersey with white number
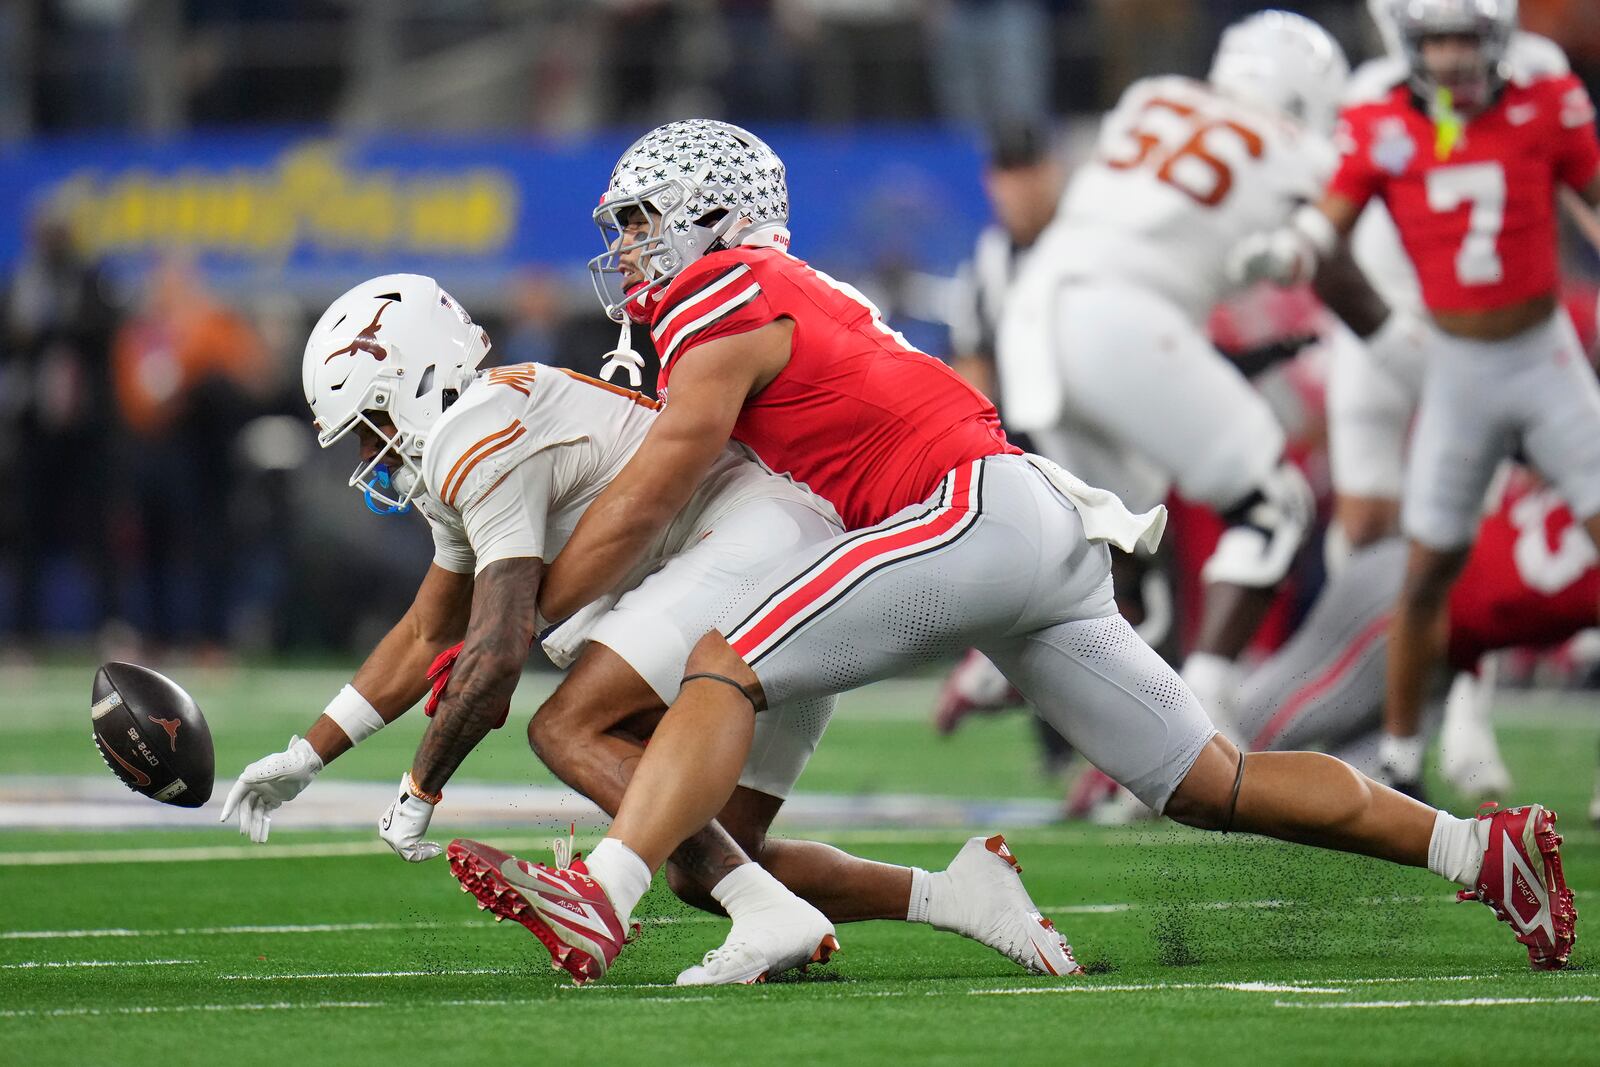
point(865, 420)
point(1532, 579)
point(1477, 215)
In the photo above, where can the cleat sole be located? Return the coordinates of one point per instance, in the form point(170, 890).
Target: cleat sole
point(480, 878)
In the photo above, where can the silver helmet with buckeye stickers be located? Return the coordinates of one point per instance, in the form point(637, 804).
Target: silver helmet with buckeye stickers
point(702, 186)
point(1491, 22)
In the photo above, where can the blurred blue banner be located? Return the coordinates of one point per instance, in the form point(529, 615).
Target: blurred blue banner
point(301, 211)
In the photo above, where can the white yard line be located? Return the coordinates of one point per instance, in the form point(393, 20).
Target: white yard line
point(177, 1009)
point(1157, 987)
point(213, 931)
point(667, 920)
point(371, 974)
point(1465, 1002)
point(32, 964)
point(164, 1009)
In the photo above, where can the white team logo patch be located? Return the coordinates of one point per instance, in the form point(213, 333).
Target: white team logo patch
point(1521, 114)
point(1513, 871)
point(1392, 146)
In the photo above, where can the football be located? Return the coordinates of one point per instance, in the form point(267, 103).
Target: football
point(152, 735)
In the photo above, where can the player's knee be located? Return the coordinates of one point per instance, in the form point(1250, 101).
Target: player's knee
point(1264, 531)
point(1200, 810)
point(557, 726)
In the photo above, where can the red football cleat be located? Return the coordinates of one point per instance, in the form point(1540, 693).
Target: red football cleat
point(1522, 883)
point(563, 907)
point(975, 687)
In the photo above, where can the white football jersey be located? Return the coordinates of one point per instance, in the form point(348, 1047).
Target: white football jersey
point(1180, 174)
point(513, 464)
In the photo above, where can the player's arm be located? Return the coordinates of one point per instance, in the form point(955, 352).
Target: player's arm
point(710, 384)
point(504, 623)
point(393, 678)
point(1591, 192)
point(504, 514)
point(1390, 334)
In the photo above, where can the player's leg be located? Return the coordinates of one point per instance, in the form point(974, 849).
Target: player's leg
point(591, 731)
point(1137, 367)
point(1465, 427)
point(1418, 633)
point(710, 725)
point(843, 887)
point(1469, 755)
point(917, 587)
point(1325, 686)
point(1369, 415)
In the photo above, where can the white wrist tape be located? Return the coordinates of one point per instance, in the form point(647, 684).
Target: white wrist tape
point(1317, 229)
point(358, 719)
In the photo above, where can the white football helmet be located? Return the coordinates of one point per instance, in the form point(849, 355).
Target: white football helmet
point(398, 346)
point(705, 185)
point(1286, 62)
point(1492, 22)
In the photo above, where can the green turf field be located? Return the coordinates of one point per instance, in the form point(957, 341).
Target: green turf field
point(161, 947)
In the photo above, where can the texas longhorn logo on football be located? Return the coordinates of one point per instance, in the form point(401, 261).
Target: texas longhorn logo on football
point(170, 726)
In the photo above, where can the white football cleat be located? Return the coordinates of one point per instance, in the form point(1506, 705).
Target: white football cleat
point(1469, 755)
point(984, 899)
point(767, 942)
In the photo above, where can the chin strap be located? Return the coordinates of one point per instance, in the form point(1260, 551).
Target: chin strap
point(623, 357)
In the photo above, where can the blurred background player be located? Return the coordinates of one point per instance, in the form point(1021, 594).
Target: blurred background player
point(1467, 154)
point(1531, 580)
point(1103, 355)
point(1371, 404)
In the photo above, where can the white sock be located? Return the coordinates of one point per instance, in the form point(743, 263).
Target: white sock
point(917, 909)
point(621, 873)
point(1455, 851)
point(942, 911)
point(747, 888)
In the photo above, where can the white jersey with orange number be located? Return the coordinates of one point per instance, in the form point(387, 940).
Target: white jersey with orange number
point(1181, 173)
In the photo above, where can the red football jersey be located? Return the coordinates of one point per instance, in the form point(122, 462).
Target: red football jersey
point(1532, 580)
point(868, 422)
point(1477, 216)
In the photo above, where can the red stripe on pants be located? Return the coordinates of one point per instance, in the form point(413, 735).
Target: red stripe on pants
point(820, 586)
point(1319, 685)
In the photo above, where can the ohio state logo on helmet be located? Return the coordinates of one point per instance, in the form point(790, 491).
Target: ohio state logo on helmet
point(689, 187)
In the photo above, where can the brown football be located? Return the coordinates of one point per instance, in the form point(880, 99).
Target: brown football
point(152, 735)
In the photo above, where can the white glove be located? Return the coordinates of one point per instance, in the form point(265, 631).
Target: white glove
point(1286, 256)
point(267, 783)
point(1283, 256)
point(403, 825)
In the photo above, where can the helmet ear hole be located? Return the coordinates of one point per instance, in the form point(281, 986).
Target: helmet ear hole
point(426, 381)
point(711, 218)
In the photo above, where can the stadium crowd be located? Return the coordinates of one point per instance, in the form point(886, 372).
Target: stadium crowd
point(161, 489)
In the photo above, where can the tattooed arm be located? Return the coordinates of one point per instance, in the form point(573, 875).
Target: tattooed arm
point(501, 629)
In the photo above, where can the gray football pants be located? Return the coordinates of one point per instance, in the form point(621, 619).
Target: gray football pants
point(996, 558)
